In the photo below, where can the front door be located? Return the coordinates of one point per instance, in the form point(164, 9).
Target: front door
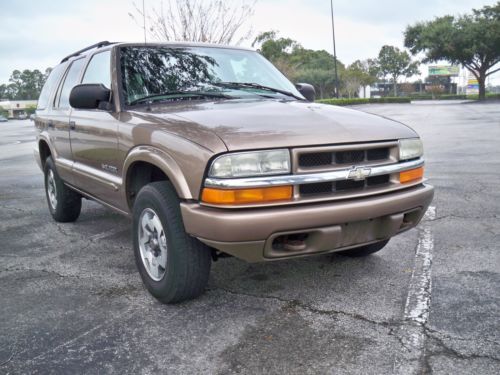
point(94, 141)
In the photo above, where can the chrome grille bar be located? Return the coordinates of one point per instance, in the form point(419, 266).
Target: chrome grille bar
point(309, 178)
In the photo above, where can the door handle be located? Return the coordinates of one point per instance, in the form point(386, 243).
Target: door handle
point(72, 125)
point(50, 125)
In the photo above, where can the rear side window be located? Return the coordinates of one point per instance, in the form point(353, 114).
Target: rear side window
point(99, 70)
point(70, 81)
point(49, 86)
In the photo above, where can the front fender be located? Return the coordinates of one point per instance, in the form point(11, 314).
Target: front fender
point(163, 161)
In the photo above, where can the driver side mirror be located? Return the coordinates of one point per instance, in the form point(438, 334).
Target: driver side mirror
point(307, 91)
point(89, 96)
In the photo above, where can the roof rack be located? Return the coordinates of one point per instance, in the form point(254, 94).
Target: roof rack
point(97, 45)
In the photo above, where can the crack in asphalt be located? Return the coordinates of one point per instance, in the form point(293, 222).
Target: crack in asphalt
point(16, 209)
point(292, 303)
point(451, 216)
point(432, 332)
point(14, 352)
point(58, 274)
point(448, 351)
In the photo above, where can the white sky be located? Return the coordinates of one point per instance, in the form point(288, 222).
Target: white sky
point(39, 33)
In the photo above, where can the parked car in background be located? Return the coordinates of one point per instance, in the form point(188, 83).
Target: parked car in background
point(213, 152)
point(3, 119)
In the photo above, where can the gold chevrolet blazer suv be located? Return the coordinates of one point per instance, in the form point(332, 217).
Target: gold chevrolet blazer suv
point(212, 152)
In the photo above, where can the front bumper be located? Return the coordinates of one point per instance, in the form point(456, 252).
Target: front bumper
point(249, 234)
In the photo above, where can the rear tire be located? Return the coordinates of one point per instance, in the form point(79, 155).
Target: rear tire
point(173, 265)
point(364, 250)
point(64, 204)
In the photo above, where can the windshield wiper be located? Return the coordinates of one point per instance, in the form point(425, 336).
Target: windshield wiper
point(179, 95)
point(253, 85)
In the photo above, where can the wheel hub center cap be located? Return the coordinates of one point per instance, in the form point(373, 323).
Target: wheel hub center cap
point(155, 244)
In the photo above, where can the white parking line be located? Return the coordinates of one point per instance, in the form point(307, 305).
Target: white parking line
point(418, 301)
point(419, 294)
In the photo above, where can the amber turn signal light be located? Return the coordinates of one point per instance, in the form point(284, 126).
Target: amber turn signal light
point(242, 196)
point(411, 175)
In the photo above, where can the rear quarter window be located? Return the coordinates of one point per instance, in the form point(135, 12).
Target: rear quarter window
point(70, 81)
point(49, 86)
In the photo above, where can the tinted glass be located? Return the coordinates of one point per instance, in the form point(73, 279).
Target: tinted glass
point(50, 85)
point(98, 70)
point(149, 70)
point(70, 81)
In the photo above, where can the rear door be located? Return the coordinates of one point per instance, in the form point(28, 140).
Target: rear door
point(58, 121)
point(94, 141)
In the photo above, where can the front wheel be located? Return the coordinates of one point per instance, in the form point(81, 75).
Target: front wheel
point(364, 250)
point(173, 265)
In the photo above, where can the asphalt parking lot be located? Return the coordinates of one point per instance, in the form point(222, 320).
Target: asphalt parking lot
point(71, 300)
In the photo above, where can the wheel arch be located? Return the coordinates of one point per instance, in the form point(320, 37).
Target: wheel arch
point(44, 151)
point(145, 164)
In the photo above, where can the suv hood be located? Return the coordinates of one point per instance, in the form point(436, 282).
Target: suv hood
point(259, 124)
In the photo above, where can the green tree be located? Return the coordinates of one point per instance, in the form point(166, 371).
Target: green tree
point(394, 63)
point(471, 40)
point(322, 80)
point(24, 85)
point(298, 63)
point(360, 73)
point(352, 80)
point(4, 91)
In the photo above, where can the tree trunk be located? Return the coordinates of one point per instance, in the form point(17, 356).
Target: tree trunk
point(482, 85)
point(395, 87)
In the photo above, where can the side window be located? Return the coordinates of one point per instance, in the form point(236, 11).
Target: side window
point(54, 77)
point(99, 69)
point(70, 81)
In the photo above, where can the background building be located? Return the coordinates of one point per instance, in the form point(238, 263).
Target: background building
point(18, 108)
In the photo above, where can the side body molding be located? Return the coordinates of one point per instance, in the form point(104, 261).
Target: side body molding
point(163, 161)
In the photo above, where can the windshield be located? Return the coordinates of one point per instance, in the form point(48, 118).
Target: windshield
point(155, 71)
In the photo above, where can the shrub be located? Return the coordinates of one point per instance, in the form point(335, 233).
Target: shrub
point(353, 101)
point(4, 112)
point(30, 110)
point(453, 97)
point(403, 99)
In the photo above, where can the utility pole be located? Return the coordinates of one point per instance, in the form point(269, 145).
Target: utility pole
point(334, 53)
point(144, 20)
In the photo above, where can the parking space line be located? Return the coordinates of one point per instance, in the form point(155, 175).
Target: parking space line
point(418, 301)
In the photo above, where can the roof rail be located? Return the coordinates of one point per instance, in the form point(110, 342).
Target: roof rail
point(97, 45)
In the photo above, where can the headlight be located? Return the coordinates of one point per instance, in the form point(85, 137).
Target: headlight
point(248, 164)
point(410, 148)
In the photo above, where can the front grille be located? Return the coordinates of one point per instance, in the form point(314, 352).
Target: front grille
point(377, 154)
point(315, 159)
point(342, 186)
point(345, 157)
point(322, 159)
point(349, 157)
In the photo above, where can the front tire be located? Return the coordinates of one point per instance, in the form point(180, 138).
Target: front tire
point(173, 265)
point(64, 204)
point(364, 250)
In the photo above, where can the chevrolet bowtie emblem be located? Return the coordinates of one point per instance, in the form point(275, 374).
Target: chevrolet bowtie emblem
point(359, 173)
